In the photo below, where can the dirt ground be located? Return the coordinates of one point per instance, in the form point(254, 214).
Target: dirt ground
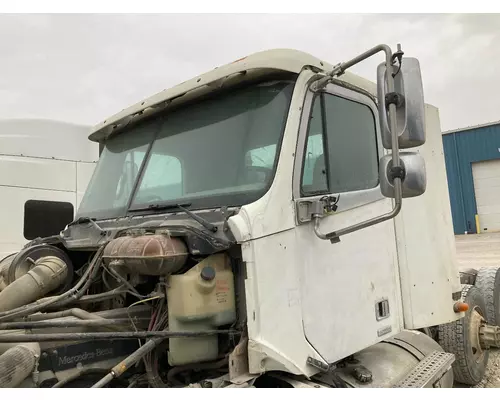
point(477, 251)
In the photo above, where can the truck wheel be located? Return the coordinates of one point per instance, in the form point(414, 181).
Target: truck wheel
point(488, 281)
point(462, 339)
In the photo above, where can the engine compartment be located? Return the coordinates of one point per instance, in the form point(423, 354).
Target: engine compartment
point(140, 311)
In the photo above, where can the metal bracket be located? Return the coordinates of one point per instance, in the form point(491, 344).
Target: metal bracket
point(308, 209)
point(324, 367)
point(397, 172)
point(456, 296)
point(394, 98)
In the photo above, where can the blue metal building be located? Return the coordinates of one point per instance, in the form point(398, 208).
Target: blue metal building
point(473, 167)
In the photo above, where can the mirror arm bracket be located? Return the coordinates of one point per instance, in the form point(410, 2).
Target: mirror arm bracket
point(334, 236)
point(397, 172)
point(394, 98)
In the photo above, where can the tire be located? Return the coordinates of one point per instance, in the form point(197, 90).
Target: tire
point(461, 338)
point(488, 282)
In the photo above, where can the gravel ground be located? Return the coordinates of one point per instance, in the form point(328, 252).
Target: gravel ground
point(477, 251)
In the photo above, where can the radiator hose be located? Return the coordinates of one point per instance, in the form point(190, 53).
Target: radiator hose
point(47, 275)
point(17, 363)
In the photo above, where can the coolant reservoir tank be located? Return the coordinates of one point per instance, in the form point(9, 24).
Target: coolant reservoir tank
point(201, 299)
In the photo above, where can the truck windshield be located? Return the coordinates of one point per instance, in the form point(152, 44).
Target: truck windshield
point(220, 151)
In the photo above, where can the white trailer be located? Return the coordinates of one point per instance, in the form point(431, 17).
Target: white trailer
point(45, 167)
point(276, 222)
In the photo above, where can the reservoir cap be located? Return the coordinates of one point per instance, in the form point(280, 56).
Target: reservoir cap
point(207, 273)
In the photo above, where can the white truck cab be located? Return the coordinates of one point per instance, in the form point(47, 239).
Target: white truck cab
point(276, 222)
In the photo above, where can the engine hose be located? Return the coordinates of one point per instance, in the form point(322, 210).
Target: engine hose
point(68, 323)
point(78, 293)
point(17, 363)
point(82, 314)
point(71, 312)
point(75, 292)
point(76, 336)
point(94, 298)
point(47, 275)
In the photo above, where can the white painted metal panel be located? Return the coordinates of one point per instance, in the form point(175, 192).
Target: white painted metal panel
point(342, 283)
point(37, 173)
point(38, 162)
point(426, 243)
point(486, 176)
point(266, 229)
point(47, 139)
point(12, 213)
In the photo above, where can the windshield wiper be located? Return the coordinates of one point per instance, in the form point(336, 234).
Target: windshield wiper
point(208, 225)
point(202, 221)
point(156, 207)
point(85, 220)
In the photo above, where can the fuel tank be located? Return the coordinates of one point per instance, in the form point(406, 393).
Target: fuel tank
point(385, 364)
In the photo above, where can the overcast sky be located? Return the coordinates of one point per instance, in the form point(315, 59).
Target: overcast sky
point(83, 68)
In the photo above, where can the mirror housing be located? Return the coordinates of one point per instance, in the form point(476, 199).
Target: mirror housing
point(410, 106)
point(414, 182)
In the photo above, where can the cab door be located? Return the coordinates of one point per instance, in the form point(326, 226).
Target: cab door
point(350, 294)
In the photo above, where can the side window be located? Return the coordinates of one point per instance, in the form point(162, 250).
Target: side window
point(344, 131)
point(314, 172)
point(44, 218)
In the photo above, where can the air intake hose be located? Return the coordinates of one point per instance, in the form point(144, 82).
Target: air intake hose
point(17, 363)
point(47, 275)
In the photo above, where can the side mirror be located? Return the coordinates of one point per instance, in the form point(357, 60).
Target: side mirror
point(414, 182)
point(410, 106)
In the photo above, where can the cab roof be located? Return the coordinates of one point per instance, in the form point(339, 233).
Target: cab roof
point(284, 60)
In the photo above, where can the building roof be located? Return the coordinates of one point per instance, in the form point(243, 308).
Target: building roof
point(468, 128)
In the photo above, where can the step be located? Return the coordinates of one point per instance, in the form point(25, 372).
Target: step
point(428, 371)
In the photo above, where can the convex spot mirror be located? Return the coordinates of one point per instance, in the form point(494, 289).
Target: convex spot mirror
point(410, 109)
point(414, 182)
